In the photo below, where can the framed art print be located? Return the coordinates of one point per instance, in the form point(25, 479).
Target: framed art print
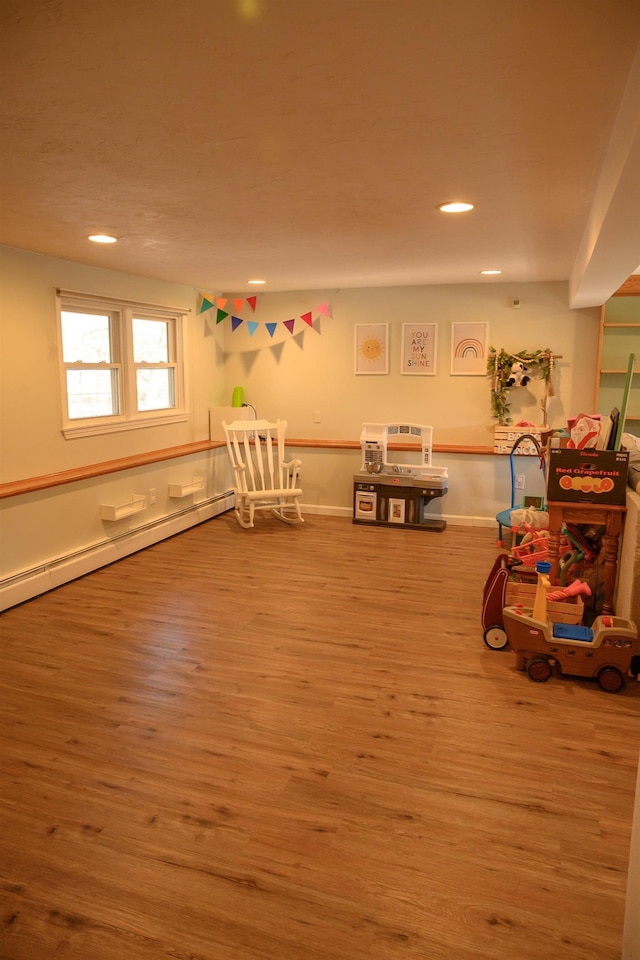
point(418, 349)
point(372, 348)
point(469, 349)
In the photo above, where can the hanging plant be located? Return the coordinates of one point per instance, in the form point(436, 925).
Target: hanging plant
point(539, 364)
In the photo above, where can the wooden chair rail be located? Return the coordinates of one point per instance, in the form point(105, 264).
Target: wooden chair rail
point(14, 488)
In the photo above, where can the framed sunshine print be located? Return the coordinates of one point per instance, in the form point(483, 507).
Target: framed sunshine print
point(418, 349)
point(372, 348)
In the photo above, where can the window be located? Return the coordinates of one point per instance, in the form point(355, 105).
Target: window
point(122, 364)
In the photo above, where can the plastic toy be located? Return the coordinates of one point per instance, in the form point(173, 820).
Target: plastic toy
point(504, 516)
point(607, 651)
point(575, 589)
point(374, 442)
point(500, 590)
point(533, 547)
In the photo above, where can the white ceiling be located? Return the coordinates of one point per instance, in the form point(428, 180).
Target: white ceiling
point(308, 142)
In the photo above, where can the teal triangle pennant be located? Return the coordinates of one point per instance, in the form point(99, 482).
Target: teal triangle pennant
point(205, 305)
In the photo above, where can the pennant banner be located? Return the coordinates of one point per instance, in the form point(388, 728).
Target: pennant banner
point(207, 302)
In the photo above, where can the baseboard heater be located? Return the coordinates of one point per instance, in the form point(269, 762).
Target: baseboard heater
point(53, 573)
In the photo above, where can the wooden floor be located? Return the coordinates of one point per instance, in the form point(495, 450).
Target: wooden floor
point(290, 743)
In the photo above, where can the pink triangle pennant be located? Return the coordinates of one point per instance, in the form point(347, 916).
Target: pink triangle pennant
point(308, 318)
point(289, 324)
point(324, 309)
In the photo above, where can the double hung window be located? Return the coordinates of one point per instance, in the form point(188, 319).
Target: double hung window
point(122, 364)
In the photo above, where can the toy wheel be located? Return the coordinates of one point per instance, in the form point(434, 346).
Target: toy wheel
point(539, 669)
point(495, 638)
point(610, 679)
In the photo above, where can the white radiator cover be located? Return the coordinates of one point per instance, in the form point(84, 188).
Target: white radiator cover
point(58, 570)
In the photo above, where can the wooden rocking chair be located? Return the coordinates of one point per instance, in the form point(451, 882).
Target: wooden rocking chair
point(263, 479)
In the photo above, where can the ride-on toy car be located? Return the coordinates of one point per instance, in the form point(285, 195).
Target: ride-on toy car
point(607, 651)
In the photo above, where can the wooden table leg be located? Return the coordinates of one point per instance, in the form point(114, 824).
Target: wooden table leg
point(555, 525)
point(610, 543)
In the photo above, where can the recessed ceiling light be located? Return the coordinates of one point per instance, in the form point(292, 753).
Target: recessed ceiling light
point(102, 238)
point(490, 273)
point(256, 281)
point(455, 206)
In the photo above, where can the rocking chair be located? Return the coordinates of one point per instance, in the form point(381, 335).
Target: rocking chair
point(263, 479)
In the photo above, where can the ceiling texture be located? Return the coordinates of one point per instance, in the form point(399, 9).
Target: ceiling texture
point(309, 142)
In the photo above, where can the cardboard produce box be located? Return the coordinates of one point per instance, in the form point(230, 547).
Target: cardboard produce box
point(587, 476)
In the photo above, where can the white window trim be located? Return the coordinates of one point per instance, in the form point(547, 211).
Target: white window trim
point(130, 420)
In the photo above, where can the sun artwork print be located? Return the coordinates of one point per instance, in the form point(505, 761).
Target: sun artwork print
point(371, 348)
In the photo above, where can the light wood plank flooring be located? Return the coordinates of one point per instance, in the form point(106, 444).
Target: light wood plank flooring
point(292, 744)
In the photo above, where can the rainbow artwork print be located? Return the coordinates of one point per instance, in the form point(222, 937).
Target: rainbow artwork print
point(469, 349)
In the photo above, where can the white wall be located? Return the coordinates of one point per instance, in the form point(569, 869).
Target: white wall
point(57, 533)
point(292, 377)
point(286, 376)
point(313, 370)
point(31, 442)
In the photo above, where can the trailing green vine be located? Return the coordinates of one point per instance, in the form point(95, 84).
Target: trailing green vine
point(539, 364)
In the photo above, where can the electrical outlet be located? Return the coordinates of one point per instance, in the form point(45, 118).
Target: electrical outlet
point(152, 495)
point(519, 481)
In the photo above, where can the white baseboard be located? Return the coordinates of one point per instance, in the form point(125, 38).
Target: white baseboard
point(324, 511)
point(453, 519)
point(58, 570)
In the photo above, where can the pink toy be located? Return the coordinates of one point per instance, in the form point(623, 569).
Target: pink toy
point(576, 589)
point(534, 547)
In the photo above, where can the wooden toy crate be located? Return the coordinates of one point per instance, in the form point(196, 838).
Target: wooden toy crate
point(505, 437)
point(560, 611)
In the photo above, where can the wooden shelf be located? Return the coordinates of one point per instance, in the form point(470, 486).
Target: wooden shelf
point(619, 338)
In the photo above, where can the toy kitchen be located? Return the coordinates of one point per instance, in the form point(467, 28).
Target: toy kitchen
point(387, 493)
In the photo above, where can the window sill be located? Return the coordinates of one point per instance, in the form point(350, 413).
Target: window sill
point(121, 426)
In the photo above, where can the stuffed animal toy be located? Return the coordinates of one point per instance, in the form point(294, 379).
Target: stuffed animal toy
point(518, 376)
